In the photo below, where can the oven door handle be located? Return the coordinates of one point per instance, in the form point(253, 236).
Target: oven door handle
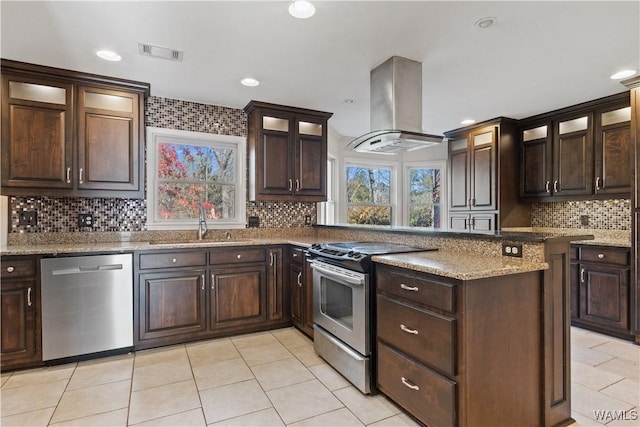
point(336, 275)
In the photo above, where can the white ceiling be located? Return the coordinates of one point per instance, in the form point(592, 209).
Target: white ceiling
point(539, 56)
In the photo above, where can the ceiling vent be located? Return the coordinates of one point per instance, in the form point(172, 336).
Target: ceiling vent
point(155, 51)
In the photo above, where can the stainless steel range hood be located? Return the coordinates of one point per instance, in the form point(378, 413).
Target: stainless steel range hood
point(396, 110)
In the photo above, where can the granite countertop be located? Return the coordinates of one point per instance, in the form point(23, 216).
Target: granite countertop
point(128, 246)
point(524, 234)
point(460, 265)
point(619, 238)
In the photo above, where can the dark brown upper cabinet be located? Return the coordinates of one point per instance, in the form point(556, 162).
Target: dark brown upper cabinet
point(483, 182)
point(66, 133)
point(578, 152)
point(287, 153)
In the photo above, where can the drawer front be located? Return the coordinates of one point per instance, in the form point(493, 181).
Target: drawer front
point(297, 255)
point(18, 267)
point(173, 259)
point(427, 395)
point(618, 256)
point(412, 287)
point(427, 337)
point(235, 255)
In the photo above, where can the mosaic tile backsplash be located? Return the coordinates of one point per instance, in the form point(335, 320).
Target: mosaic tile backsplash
point(612, 214)
point(61, 214)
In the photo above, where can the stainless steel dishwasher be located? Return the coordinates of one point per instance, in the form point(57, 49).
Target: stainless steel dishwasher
point(87, 305)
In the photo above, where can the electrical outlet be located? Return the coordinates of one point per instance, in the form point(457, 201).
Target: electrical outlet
point(512, 250)
point(28, 218)
point(584, 220)
point(307, 220)
point(85, 220)
point(254, 221)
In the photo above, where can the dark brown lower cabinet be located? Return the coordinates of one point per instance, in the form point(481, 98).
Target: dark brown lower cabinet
point(20, 313)
point(172, 303)
point(464, 352)
point(238, 295)
point(186, 295)
point(301, 290)
point(600, 282)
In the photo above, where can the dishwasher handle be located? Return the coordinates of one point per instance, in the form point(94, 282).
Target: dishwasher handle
point(87, 269)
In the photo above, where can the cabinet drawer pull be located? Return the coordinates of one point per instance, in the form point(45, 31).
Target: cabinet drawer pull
point(174, 260)
point(409, 331)
point(10, 269)
point(601, 256)
point(29, 292)
point(582, 272)
point(547, 187)
point(68, 175)
point(300, 279)
point(408, 384)
point(409, 288)
point(239, 256)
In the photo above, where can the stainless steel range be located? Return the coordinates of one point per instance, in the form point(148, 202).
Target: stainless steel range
point(343, 306)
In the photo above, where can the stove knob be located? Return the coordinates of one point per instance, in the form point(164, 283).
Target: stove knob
point(351, 254)
point(315, 246)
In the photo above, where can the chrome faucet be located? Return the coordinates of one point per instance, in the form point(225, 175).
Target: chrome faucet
point(202, 222)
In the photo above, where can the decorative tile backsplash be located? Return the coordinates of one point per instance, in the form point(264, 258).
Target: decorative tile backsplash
point(61, 214)
point(612, 214)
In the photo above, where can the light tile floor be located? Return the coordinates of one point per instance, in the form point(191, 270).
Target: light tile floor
point(267, 379)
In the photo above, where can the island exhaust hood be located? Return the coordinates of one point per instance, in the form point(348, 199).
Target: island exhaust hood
point(396, 110)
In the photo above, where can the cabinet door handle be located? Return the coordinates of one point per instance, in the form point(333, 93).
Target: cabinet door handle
point(408, 330)
point(473, 202)
point(472, 222)
point(597, 183)
point(547, 187)
point(582, 273)
point(468, 202)
point(81, 176)
point(290, 185)
point(271, 259)
point(68, 175)
point(202, 282)
point(300, 279)
point(556, 187)
point(409, 288)
point(213, 281)
point(408, 384)
point(297, 185)
point(29, 292)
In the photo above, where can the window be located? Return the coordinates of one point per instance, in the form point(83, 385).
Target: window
point(424, 195)
point(369, 194)
point(187, 169)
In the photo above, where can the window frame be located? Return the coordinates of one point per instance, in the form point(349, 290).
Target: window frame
point(154, 135)
point(396, 209)
point(429, 164)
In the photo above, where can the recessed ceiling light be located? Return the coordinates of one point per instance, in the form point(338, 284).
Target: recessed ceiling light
point(623, 74)
point(249, 81)
point(108, 55)
point(302, 9)
point(467, 122)
point(485, 22)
